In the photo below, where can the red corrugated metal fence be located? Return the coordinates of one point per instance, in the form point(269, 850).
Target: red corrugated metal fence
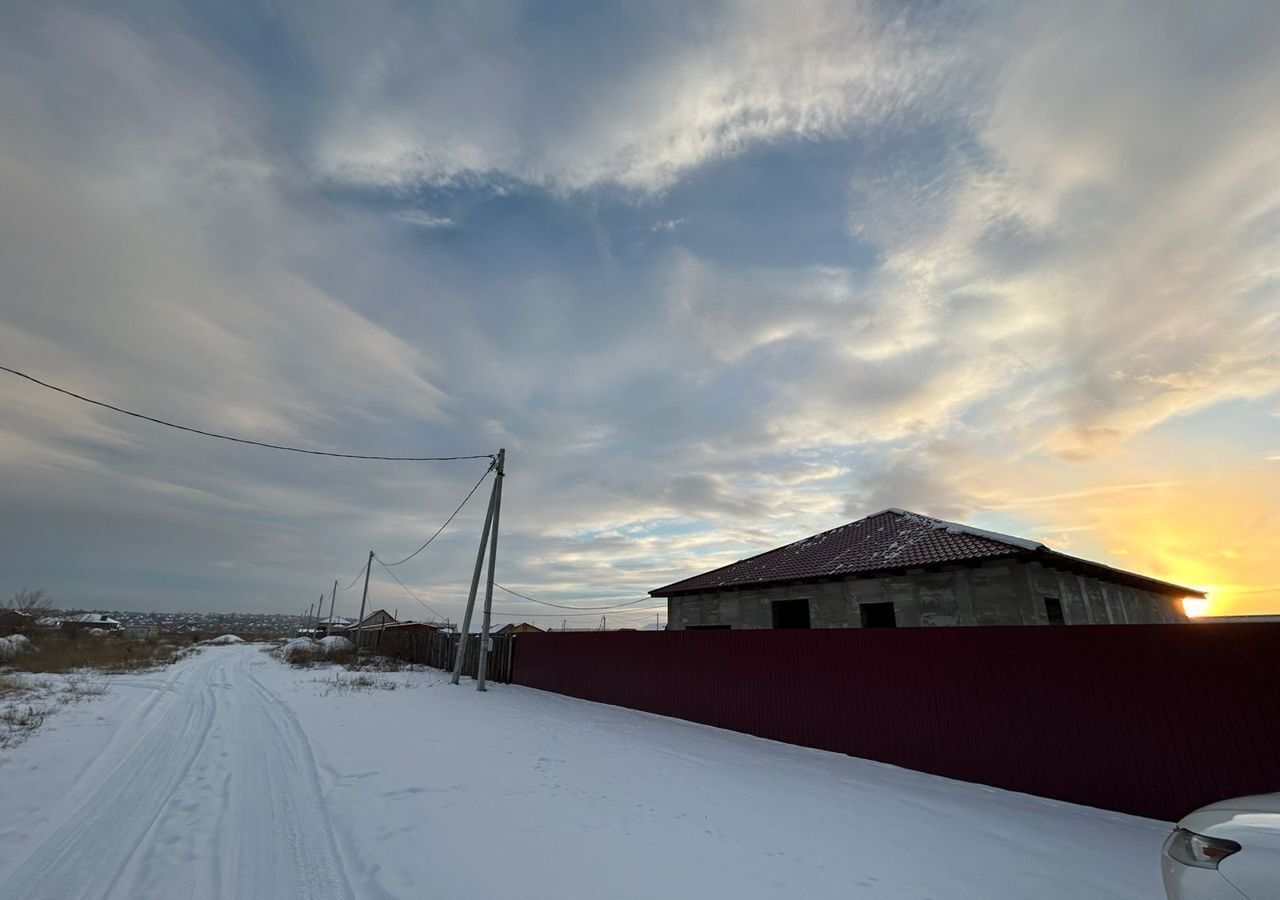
point(1147, 719)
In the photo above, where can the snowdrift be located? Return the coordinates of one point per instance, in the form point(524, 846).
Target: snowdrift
point(336, 645)
point(12, 645)
point(226, 639)
point(300, 648)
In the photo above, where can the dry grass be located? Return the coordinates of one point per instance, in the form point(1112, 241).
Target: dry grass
point(25, 704)
point(377, 663)
point(60, 653)
point(341, 684)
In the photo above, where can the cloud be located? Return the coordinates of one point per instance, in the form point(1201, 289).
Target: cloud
point(423, 218)
point(681, 89)
point(729, 275)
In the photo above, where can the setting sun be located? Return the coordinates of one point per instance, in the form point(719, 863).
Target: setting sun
point(1195, 606)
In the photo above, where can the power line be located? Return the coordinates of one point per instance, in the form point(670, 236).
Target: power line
point(562, 606)
point(386, 565)
point(357, 578)
point(434, 612)
point(238, 440)
point(524, 615)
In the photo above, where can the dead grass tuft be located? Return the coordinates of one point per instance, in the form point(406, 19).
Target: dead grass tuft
point(60, 653)
point(340, 684)
point(27, 703)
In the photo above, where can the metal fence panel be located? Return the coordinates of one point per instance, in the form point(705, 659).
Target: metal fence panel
point(1153, 720)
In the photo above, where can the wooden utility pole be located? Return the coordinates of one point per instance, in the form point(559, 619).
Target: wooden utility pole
point(475, 584)
point(493, 559)
point(319, 612)
point(363, 599)
point(328, 629)
point(307, 621)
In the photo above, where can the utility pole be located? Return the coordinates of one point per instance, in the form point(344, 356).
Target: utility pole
point(319, 610)
point(363, 598)
point(307, 620)
point(328, 629)
point(471, 597)
point(493, 558)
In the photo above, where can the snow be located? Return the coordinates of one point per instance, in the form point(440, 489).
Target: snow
point(299, 647)
point(958, 528)
point(336, 644)
point(12, 645)
point(90, 618)
point(230, 774)
point(225, 639)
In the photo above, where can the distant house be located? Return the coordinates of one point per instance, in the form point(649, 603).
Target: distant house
point(87, 621)
point(375, 619)
point(898, 568)
point(412, 627)
point(141, 632)
point(360, 630)
point(522, 628)
point(327, 626)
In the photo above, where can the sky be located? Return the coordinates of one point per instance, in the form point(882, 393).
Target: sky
point(717, 275)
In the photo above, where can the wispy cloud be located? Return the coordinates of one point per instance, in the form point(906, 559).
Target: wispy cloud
point(720, 277)
point(424, 218)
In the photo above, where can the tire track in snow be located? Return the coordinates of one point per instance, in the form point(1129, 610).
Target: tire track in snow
point(84, 858)
point(219, 798)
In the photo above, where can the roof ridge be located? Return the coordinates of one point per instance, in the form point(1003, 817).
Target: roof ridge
point(961, 528)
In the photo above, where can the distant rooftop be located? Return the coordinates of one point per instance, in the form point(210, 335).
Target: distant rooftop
point(893, 540)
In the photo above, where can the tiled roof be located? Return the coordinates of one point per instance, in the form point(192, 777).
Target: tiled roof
point(890, 540)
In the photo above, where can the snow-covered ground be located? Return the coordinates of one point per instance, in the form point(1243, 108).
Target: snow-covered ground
point(231, 775)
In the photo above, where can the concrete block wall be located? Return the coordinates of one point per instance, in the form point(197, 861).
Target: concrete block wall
point(1008, 592)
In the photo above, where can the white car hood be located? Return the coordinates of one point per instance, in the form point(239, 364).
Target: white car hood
point(1258, 815)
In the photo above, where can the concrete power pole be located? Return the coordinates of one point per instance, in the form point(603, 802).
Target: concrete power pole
point(328, 629)
point(493, 559)
point(475, 584)
point(363, 599)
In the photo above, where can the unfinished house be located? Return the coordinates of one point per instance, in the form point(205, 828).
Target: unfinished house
point(900, 569)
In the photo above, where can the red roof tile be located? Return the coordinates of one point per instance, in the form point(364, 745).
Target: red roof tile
point(890, 540)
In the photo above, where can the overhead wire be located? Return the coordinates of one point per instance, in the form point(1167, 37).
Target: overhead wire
point(562, 606)
point(237, 440)
point(492, 465)
point(506, 613)
point(354, 580)
point(428, 607)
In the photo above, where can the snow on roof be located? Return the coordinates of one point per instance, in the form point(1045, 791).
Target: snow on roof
point(337, 620)
point(92, 619)
point(957, 528)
